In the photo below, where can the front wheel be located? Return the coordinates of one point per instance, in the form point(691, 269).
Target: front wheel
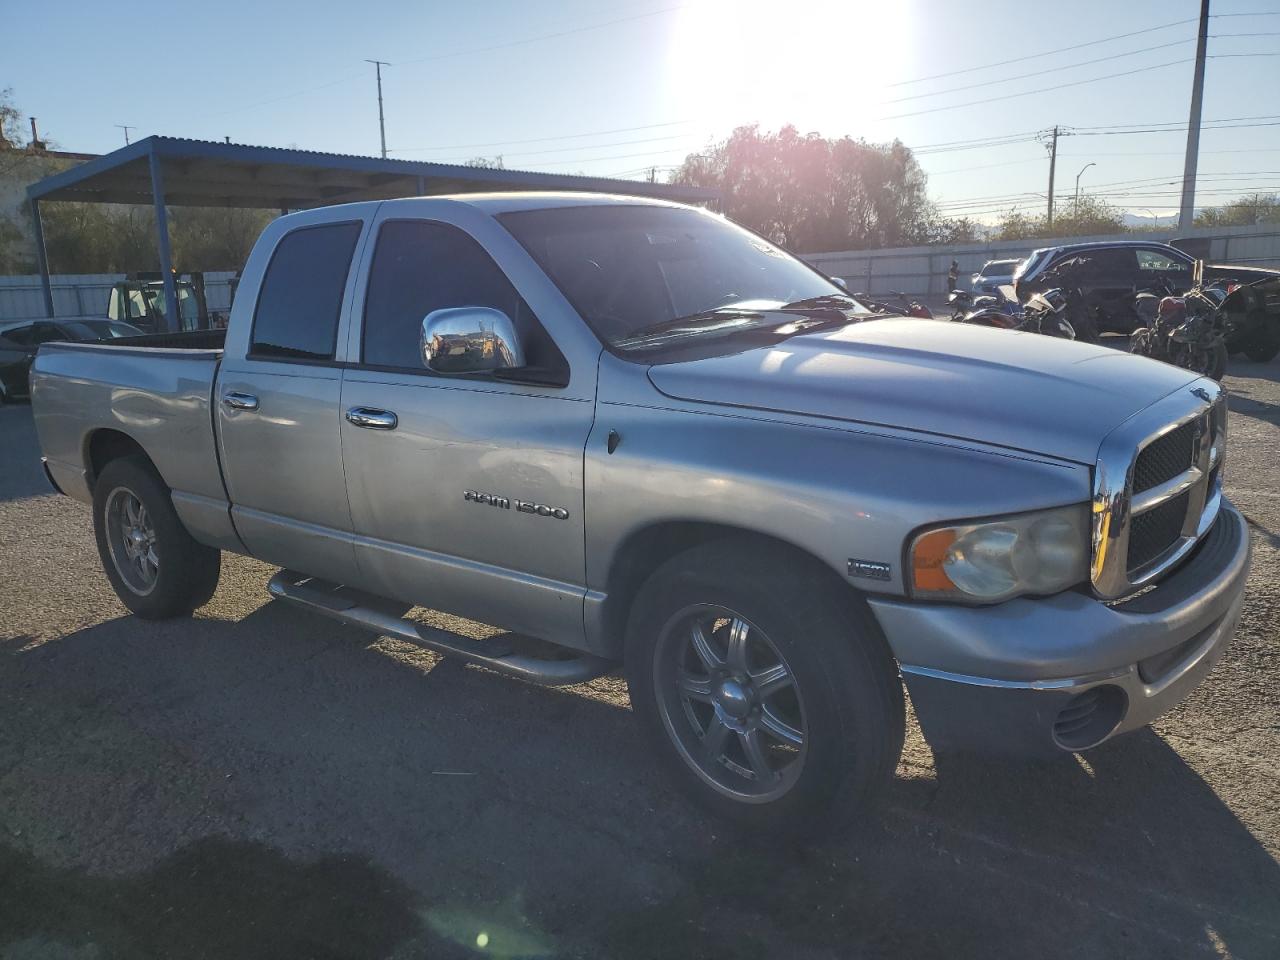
point(155, 567)
point(768, 692)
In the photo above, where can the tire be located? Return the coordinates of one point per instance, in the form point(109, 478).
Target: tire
point(1217, 362)
point(155, 567)
point(843, 696)
point(1264, 344)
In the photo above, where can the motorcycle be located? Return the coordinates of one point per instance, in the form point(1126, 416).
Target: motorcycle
point(963, 303)
point(1044, 313)
point(1189, 331)
point(906, 307)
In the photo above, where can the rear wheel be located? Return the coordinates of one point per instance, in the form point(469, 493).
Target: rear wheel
point(768, 692)
point(155, 567)
point(1264, 344)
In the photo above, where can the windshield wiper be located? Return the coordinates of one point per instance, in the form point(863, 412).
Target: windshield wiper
point(832, 301)
point(694, 321)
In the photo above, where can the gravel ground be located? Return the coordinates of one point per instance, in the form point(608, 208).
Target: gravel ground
point(260, 782)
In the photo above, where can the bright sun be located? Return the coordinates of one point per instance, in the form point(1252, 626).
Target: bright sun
point(819, 64)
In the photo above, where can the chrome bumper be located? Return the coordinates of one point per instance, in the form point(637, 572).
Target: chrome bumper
point(1011, 677)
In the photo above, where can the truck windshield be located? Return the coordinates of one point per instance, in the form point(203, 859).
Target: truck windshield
point(631, 268)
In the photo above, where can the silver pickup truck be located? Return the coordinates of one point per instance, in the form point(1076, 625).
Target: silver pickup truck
point(630, 432)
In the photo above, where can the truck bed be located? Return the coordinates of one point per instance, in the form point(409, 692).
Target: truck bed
point(155, 390)
point(186, 340)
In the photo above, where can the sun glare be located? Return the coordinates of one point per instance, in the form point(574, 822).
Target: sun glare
point(820, 64)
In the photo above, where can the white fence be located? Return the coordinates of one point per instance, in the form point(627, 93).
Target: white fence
point(922, 271)
point(919, 271)
point(86, 294)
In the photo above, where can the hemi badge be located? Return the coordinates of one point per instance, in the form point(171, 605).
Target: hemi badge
point(870, 570)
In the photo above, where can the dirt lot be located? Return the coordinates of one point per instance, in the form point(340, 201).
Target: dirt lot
point(263, 783)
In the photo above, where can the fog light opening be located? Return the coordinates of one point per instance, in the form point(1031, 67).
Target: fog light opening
point(1090, 717)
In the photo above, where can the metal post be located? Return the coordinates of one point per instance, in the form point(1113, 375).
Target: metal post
point(42, 258)
point(422, 186)
point(1187, 212)
point(382, 126)
point(1076, 206)
point(171, 312)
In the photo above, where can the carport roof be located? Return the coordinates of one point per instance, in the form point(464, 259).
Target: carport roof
point(202, 173)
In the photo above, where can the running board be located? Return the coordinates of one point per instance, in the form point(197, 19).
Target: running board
point(387, 617)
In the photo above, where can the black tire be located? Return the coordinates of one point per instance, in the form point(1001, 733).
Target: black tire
point(1264, 344)
point(186, 572)
point(845, 682)
point(1217, 362)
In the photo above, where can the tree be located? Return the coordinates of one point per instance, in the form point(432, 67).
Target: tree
point(812, 194)
point(1244, 212)
point(1089, 216)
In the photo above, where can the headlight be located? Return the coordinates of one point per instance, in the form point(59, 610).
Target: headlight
point(993, 560)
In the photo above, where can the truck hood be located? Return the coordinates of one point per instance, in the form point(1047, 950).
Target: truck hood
point(1019, 390)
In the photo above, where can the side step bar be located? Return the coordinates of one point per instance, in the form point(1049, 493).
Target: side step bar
point(387, 617)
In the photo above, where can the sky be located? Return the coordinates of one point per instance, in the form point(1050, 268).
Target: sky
point(617, 87)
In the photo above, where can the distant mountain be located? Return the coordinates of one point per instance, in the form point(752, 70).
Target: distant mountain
point(1143, 220)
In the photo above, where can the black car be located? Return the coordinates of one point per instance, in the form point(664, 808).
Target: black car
point(1108, 274)
point(19, 343)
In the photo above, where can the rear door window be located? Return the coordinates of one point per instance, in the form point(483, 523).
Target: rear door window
point(301, 297)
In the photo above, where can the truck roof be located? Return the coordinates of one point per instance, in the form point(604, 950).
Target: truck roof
point(508, 202)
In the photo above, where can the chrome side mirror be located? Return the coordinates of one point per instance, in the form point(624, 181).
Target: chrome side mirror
point(840, 282)
point(469, 340)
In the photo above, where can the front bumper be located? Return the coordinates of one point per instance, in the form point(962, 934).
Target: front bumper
point(1043, 675)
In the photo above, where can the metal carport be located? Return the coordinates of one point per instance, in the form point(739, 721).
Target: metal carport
point(167, 171)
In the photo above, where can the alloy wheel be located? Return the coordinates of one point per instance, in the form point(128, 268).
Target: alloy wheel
point(730, 703)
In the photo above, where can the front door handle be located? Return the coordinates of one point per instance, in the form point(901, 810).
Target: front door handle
point(240, 401)
point(371, 418)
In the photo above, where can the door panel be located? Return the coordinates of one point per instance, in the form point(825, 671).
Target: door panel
point(277, 401)
point(472, 501)
point(283, 465)
point(418, 536)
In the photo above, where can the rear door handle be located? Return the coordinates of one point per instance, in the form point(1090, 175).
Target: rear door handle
point(240, 401)
point(372, 419)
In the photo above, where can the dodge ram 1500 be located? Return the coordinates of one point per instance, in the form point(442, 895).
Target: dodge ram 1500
point(645, 436)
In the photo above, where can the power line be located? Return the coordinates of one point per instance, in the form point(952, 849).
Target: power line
point(1038, 73)
point(1028, 93)
point(1046, 53)
point(543, 36)
point(564, 136)
point(1137, 182)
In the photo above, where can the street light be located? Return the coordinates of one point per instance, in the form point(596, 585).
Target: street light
point(1078, 175)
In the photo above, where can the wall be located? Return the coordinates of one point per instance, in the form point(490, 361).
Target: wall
point(77, 295)
point(922, 271)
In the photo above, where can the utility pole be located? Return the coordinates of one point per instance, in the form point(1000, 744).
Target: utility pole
point(1187, 212)
point(382, 125)
point(1053, 163)
point(126, 128)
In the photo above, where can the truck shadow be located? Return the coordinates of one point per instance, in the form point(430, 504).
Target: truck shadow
point(415, 797)
point(20, 473)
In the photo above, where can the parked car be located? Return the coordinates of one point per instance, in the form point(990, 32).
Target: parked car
point(20, 341)
point(994, 275)
point(648, 437)
point(1113, 272)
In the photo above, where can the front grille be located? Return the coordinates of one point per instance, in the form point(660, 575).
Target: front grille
point(1154, 532)
point(1165, 458)
point(1155, 488)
